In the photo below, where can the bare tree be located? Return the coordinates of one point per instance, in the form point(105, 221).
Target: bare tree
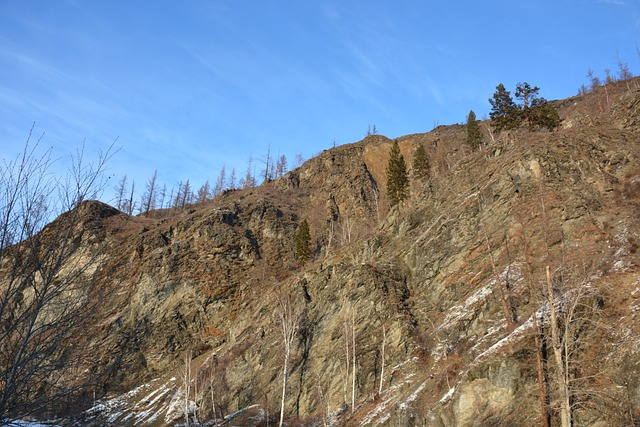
point(177, 200)
point(556, 345)
point(231, 183)
point(49, 297)
point(376, 199)
point(330, 236)
point(567, 315)
point(281, 166)
point(593, 79)
point(267, 173)
point(130, 205)
point(170, 199)
point(487, 126)
point(350, 353)
point(162, 194)
point(540, 367)
point(121, 189)
point(346, 227)
point(505, 300)
point(608, 78)
point(623, 68)
point(353, 359)
point(187, 195)
point(384, 342)
point(220, 182)
point(186, 384)
point(149, 198)
point(80, 182)
point(249, 180)
point(204, 193)
point(288, 318)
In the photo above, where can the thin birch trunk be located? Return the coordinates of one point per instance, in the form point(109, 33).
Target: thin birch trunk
point(353, 361)
point(384, 340)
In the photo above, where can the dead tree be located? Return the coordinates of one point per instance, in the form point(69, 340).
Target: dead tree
point(562, 375)
point(186, 384)
point(148, 202)
point(384, 342)
point(49, 298)
point(288, 318)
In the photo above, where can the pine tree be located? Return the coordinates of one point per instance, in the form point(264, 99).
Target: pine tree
point(533, 110)
point(474, 136)
point(421, 166)
point(303, 242)
point(397, 178)
point(504, 112)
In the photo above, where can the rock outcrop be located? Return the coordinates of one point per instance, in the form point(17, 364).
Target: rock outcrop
point(441, 302)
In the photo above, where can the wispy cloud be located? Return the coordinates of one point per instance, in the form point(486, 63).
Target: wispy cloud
point(615, 2)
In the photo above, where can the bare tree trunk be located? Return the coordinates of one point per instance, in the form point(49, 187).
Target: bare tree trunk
point(195, 396)
point(540, 366)
point(330, 235)
point(289, 321)
point(556, 342)
point(353, 362)
point(384, 341)
point(285, 375)
point(186, 379)
point(347, 360)
point(48, 306)
point(213, 402)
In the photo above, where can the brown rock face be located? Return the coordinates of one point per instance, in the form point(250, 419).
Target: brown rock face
point(425, 314)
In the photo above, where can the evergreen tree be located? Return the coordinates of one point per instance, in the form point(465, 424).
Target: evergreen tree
point(545, 116)
point(530, 101)
point(421, 166)
point(303, 242)
point(533, 110)
point(474, 136)
point(504, 112)
point(397, 178)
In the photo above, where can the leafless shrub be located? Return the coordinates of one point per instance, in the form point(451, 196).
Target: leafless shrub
point(49, 296)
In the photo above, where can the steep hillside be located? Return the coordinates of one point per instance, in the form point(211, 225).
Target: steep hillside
point(448, 310)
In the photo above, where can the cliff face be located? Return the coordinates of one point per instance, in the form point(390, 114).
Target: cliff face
point(441, 302)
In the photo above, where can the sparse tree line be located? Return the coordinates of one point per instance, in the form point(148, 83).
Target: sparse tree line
point(595, 82)
point(158, 197)
point(532, 111)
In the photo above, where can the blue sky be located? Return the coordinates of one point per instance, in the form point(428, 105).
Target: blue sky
point(189, 86)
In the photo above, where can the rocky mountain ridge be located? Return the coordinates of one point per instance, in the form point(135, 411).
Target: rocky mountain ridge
point(428, 313)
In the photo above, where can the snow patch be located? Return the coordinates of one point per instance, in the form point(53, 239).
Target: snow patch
point(413, 396)
point(448, 395)
point(507, 341)
point(22, 423)
point(459, 312)
point(178, 407)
